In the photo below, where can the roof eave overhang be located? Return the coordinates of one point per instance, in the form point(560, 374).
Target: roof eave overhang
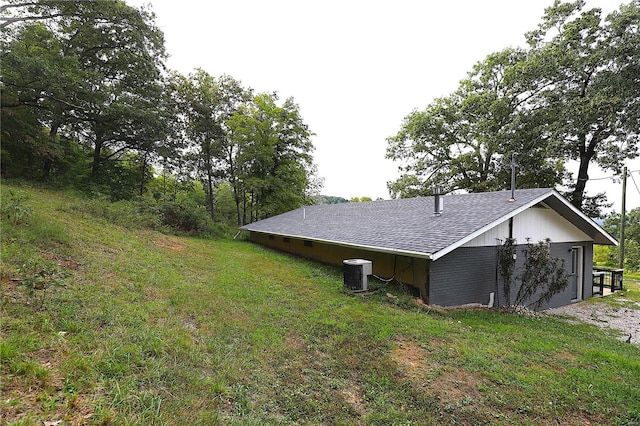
point(560, 205)
point(376, 249)
point(580, 220)
point(552, 198)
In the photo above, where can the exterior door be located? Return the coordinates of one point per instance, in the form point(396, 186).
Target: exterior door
point(575, 277)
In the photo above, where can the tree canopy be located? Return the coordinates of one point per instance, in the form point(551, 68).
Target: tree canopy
point(91, 69)
point(87, 100)
point(572, 95)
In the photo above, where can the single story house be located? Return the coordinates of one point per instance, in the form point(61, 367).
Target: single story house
point(444, 246)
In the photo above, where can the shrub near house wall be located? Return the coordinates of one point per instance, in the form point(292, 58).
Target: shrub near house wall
point(540, 274)
point(543, 275)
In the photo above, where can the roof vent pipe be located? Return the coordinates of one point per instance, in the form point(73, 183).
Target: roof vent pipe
point(514, 156)
point(438, 206)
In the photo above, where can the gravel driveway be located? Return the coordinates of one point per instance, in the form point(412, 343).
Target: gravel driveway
point(625, 318)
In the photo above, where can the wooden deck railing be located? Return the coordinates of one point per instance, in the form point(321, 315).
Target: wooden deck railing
point(612, 278)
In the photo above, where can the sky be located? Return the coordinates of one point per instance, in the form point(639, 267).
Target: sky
point(356, 68)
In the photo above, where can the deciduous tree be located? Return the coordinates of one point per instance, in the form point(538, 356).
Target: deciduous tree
point(93, 68)
point(208, 103)
point(593, 101)
point(572, 96)
point(275, 162)
point(466, 140)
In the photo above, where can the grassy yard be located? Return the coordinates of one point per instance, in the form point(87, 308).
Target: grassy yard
point(154, 329)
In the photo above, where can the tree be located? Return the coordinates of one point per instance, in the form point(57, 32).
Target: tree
point(208, 104)
point(274, 159)
point(234, 99)
point(466, 140)
point(593, 101)
point(14, 12)
point(572, 95)
point(41, 82)
point(122, 52)
point(632, 239)
point(329, 199)
point(94, 69)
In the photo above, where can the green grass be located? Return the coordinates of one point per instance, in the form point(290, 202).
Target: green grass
point(153, 329)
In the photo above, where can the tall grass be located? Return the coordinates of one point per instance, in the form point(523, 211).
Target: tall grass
point(161, 329)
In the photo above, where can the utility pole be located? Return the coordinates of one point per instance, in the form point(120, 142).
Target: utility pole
point(623, 216)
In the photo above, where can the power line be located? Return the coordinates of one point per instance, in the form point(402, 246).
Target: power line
point(614, 176)
point(634, 183)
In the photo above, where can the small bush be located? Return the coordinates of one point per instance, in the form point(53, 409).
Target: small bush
point(217, 229)
point(185, 216)
point(14, 208)
point(542, 273)
point(39, 277)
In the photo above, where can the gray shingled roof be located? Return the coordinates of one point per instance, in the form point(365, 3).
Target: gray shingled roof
point(409, 226)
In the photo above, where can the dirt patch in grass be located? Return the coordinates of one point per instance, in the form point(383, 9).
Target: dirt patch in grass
point(165, 241)
point(64, 262)
point(449, 385)
point(353, 396)
point(579, 419)
point(11, 290)
point(568, 356)
point(414, 360)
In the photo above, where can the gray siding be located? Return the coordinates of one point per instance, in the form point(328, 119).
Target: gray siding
point(466, 275)
point(563, 250)
point(588, 269)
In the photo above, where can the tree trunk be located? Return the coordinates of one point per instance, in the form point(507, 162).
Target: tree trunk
point(236, 198)
point(210, 202)
point(164, 184)
point(244, 206)
point(578, 192)
point(251, 206)
point(48, 162)
point(143, 169)
point(95, 167)
point(46, 168)
point(586, 154)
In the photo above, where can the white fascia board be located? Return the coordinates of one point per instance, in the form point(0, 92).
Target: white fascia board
point(387, 250)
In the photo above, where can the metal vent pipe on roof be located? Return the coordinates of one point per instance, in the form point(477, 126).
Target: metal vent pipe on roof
point(514, 156)
point(438, 206)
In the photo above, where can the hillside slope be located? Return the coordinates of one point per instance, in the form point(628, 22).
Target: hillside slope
point(148, 328)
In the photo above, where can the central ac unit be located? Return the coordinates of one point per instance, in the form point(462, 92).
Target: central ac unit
point(356, 272)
